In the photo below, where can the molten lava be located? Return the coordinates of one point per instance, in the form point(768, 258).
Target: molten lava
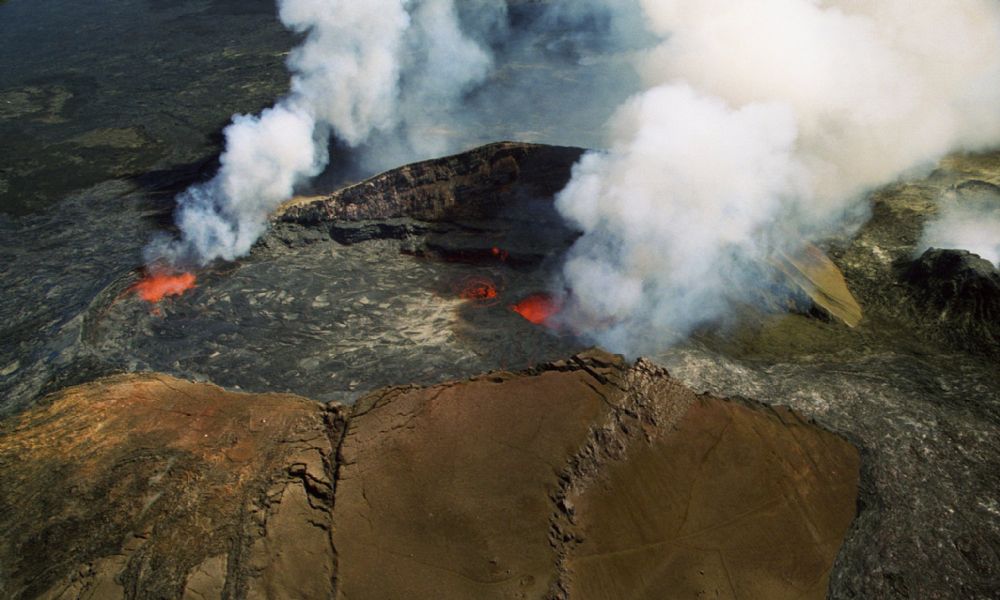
point(156, 286)
point(479, 289)
point(537, 308)
point(500, 253)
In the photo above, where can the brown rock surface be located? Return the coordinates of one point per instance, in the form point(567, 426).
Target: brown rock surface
point(733, 503)
point(585, 478)
point(148, 486)
point(448, 488)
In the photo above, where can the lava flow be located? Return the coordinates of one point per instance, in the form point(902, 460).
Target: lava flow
point(156, 286)
point(537, 308)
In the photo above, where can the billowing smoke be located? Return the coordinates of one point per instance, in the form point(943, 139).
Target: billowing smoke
point(753, 126)
point(968, 219)
point(366, 69)
point(559, 68)
point(762, 125)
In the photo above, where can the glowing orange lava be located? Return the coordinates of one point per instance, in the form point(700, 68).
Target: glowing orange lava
point(478, 288)
point(156, 287)
point(537, 308)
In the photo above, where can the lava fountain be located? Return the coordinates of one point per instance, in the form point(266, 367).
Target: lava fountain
point(157, 286)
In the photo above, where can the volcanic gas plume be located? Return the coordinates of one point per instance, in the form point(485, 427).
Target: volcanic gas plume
point(763, 124)
point(365, 68)
point(970, 221)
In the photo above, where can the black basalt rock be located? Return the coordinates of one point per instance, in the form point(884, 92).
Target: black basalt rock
point(957, 288)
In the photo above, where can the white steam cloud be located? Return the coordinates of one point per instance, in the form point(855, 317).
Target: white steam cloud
point(969, 221)
point(762, 125)
point(364, 69)
point(758, 125)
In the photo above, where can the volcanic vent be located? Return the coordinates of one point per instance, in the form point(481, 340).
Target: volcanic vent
point(429, 272)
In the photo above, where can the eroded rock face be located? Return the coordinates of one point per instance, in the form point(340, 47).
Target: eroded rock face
point(148, 486)
point(586, 478)
point(633, 485)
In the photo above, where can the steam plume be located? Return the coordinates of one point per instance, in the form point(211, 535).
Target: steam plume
point(969, 221)
point(363, 69)
point(762, 125)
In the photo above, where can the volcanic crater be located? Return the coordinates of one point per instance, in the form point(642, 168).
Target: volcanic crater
point(860, 431)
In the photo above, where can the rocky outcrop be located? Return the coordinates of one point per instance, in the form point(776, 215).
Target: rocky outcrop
point(147, 486)
point(960, 289)
point(947, 297)
point(478, 184)
point(586, 478)
point(635, 486)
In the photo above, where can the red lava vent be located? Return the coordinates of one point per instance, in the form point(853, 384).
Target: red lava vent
point(537, 308)
point(481, 290)
point(157, 286)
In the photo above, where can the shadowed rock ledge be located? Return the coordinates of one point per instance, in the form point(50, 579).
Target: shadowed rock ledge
point(477, 183)
point(586, 478)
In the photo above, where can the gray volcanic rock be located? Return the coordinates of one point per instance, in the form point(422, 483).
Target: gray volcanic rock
point(331, 311)
point(960, 290)
point(479, 184)
point(944, 297)
point(579, 479)
point(494, 201)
